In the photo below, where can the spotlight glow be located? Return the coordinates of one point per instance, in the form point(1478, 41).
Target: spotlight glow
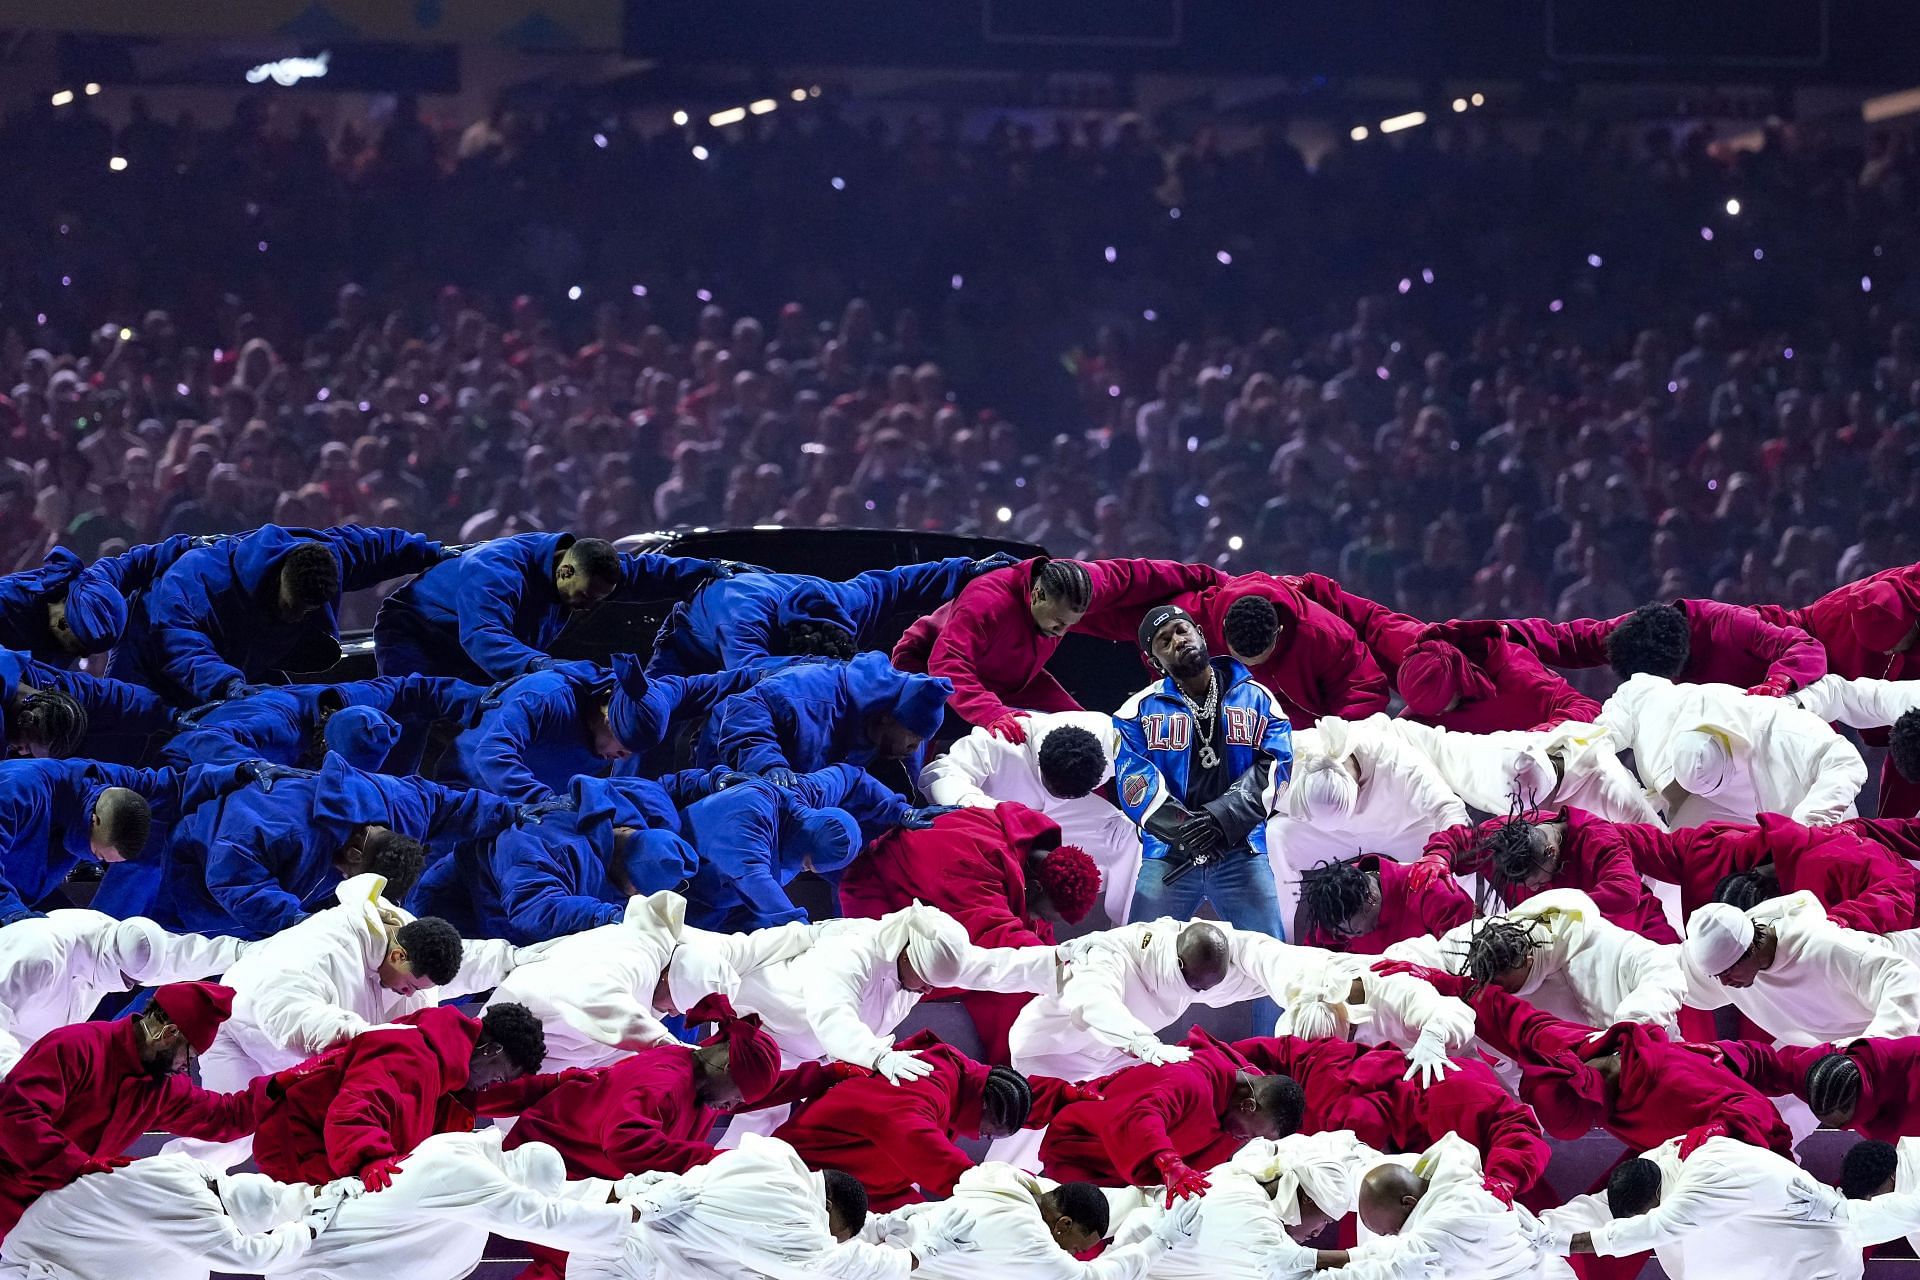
point(1358, 133)
point(732, 115)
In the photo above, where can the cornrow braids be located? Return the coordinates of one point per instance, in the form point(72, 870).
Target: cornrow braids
point(1746, 889)
point(1833, 1085)
point(1067, 581)
point(1332, 893)
point(1499, 946)
point(1008, 1098)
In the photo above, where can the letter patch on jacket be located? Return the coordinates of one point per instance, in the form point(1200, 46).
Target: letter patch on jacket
point(1243, 726)
point(1167, 733)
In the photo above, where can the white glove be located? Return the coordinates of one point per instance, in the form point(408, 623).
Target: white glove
point(900, 1066)
point(327, 1200)
point(1177, 1223)
point(665, 1200)
point(1428, 1060)
point(635, 1184)
point(1290, 1261)
point(1157, 1054)
point(1544, 1238)
point(946, 1230)
point(1811, 1201)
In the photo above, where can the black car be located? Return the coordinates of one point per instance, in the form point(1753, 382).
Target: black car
point(1100, 674)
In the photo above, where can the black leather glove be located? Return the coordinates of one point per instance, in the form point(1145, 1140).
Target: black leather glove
point(1202, 835)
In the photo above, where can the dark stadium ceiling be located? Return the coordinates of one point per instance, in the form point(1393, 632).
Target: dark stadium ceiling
point(1854, 42)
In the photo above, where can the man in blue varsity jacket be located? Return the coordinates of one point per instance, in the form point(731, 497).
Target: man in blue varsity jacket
point(1202, 754)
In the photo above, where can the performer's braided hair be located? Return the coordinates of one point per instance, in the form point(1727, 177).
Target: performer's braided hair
point(1833, 1084)
point(1332, 893)
point(1067, 581)
point(1008, 1098)
point(1497, 947)
point(1746, 889)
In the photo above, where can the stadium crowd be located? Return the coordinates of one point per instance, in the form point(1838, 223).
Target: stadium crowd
point(1105, 341)
point(1465, 905)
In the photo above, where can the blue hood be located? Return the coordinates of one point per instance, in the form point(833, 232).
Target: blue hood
point(654, 860)
point(917, 701)
point(829, 837)
point(96, 614)
point(621, 802)
point(363, 736)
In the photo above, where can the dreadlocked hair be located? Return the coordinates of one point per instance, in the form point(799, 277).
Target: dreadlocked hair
point(1008, 1098)
point(52, 718)
point(1499, 946)
point(1332, 893)
point(1507, 852)
point(1066, 581)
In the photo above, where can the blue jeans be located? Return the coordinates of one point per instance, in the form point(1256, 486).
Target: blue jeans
point(1240, 887)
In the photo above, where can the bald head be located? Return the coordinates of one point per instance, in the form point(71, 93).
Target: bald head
point(1388, 1195)
point(1203, 956)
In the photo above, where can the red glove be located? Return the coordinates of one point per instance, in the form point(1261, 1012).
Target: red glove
point(1008, 727)
point(1428, 869)
point(847, 1071)
point(377, 1175)
point(1082, 1093)
point(577, 1073)
point(105, 1164)
point(1182, 1180)
point(1447, 984)
point(1502, 1190)
point(1772, 687)
point(1697, 1137)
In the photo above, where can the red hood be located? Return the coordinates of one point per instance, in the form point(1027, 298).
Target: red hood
point(451, 1035)
point(1028, 830)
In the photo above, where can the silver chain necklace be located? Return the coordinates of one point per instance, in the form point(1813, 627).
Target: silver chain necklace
point(1204, 723)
